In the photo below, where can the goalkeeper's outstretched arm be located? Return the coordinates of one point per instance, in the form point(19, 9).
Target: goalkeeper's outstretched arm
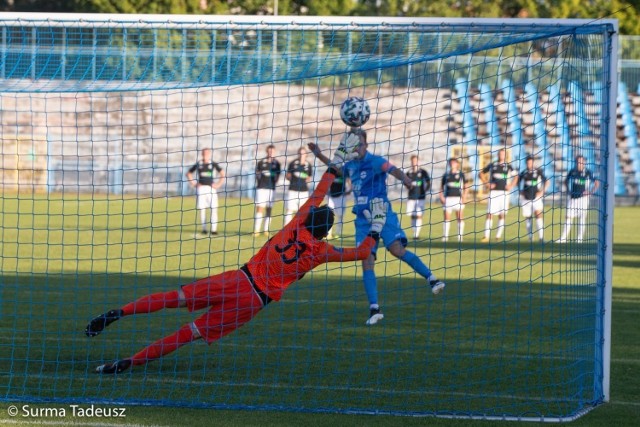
point(377, 216)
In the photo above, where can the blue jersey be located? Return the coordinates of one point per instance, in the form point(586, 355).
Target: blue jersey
point(368, 179)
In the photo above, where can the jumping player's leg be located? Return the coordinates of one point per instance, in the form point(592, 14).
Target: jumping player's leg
point(396, 241)
point(145, 304)
point(368, 274)
point(158, 349)
point(233, 302)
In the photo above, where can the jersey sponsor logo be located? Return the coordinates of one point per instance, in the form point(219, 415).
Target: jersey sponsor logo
point(362, 200)
point(300, 248)
point(363, 174)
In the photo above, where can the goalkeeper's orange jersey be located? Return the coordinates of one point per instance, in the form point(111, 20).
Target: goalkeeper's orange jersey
point(291, 253)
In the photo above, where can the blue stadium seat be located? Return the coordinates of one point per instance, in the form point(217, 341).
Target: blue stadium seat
point(486, 104)
point(469, 129)
point(620, 188)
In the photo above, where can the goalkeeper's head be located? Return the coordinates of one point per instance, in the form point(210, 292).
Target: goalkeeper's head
point(319, 221)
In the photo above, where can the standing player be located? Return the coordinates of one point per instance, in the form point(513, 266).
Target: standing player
point(580, 185)
point(267, 175)
point(235, 297)
point(299, 174)
point(338, 193)
point(368, 175)
point(453, 197)
point(534, 186)
point(501, 178)
point(420, 184)
point(206, 189)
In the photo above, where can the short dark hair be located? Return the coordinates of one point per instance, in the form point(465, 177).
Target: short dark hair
point(319, 221)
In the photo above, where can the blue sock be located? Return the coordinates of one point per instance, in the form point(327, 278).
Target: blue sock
point(417, 265)
point(370, 285)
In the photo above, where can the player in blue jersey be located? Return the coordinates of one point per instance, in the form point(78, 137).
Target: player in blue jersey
point(368, 176)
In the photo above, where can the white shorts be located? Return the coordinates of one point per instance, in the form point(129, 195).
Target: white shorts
point(577, 207)
point(207, 197)
point(529, 207)
point(295, 199)
point(498, 202)
point(415, 207)
point(264, 197)
point(338, 204)
point(453, 204)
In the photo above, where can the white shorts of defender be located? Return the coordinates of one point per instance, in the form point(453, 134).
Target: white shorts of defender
point(337, 204)
point(529, 207)
point(415, 207)
point(207, 197)
point(264, 197)
point(498, 202)
point(453, 204)
point(578, 207)
point(295, 199)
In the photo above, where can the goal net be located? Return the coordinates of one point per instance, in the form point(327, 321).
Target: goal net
point(105, 118)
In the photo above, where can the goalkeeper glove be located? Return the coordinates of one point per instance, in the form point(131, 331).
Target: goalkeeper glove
point(346, 150)
point(376, 215)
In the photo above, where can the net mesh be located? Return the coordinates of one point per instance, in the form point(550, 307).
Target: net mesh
point(102, 120)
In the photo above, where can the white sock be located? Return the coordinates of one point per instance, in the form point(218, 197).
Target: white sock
point(529, 225)
point(203, 218)
point(500, 228)
point(582, 227)
point(418, 226)
point(258, 223)
point(567, 230)
point(447, 228)
point(487, 228)
point(540, 224)
point(214, 220)
point(267, 223)
point(460, 229)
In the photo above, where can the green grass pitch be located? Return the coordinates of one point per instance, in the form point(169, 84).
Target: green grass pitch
point(69, 259)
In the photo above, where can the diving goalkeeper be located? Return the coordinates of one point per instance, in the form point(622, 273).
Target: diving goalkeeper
point(235, 297)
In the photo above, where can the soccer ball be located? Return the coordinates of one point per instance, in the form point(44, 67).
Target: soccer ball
point(355, 111)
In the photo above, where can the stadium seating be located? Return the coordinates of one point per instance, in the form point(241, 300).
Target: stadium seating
point(104, 140)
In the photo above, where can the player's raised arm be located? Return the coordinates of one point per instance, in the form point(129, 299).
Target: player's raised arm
point(398, 174)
